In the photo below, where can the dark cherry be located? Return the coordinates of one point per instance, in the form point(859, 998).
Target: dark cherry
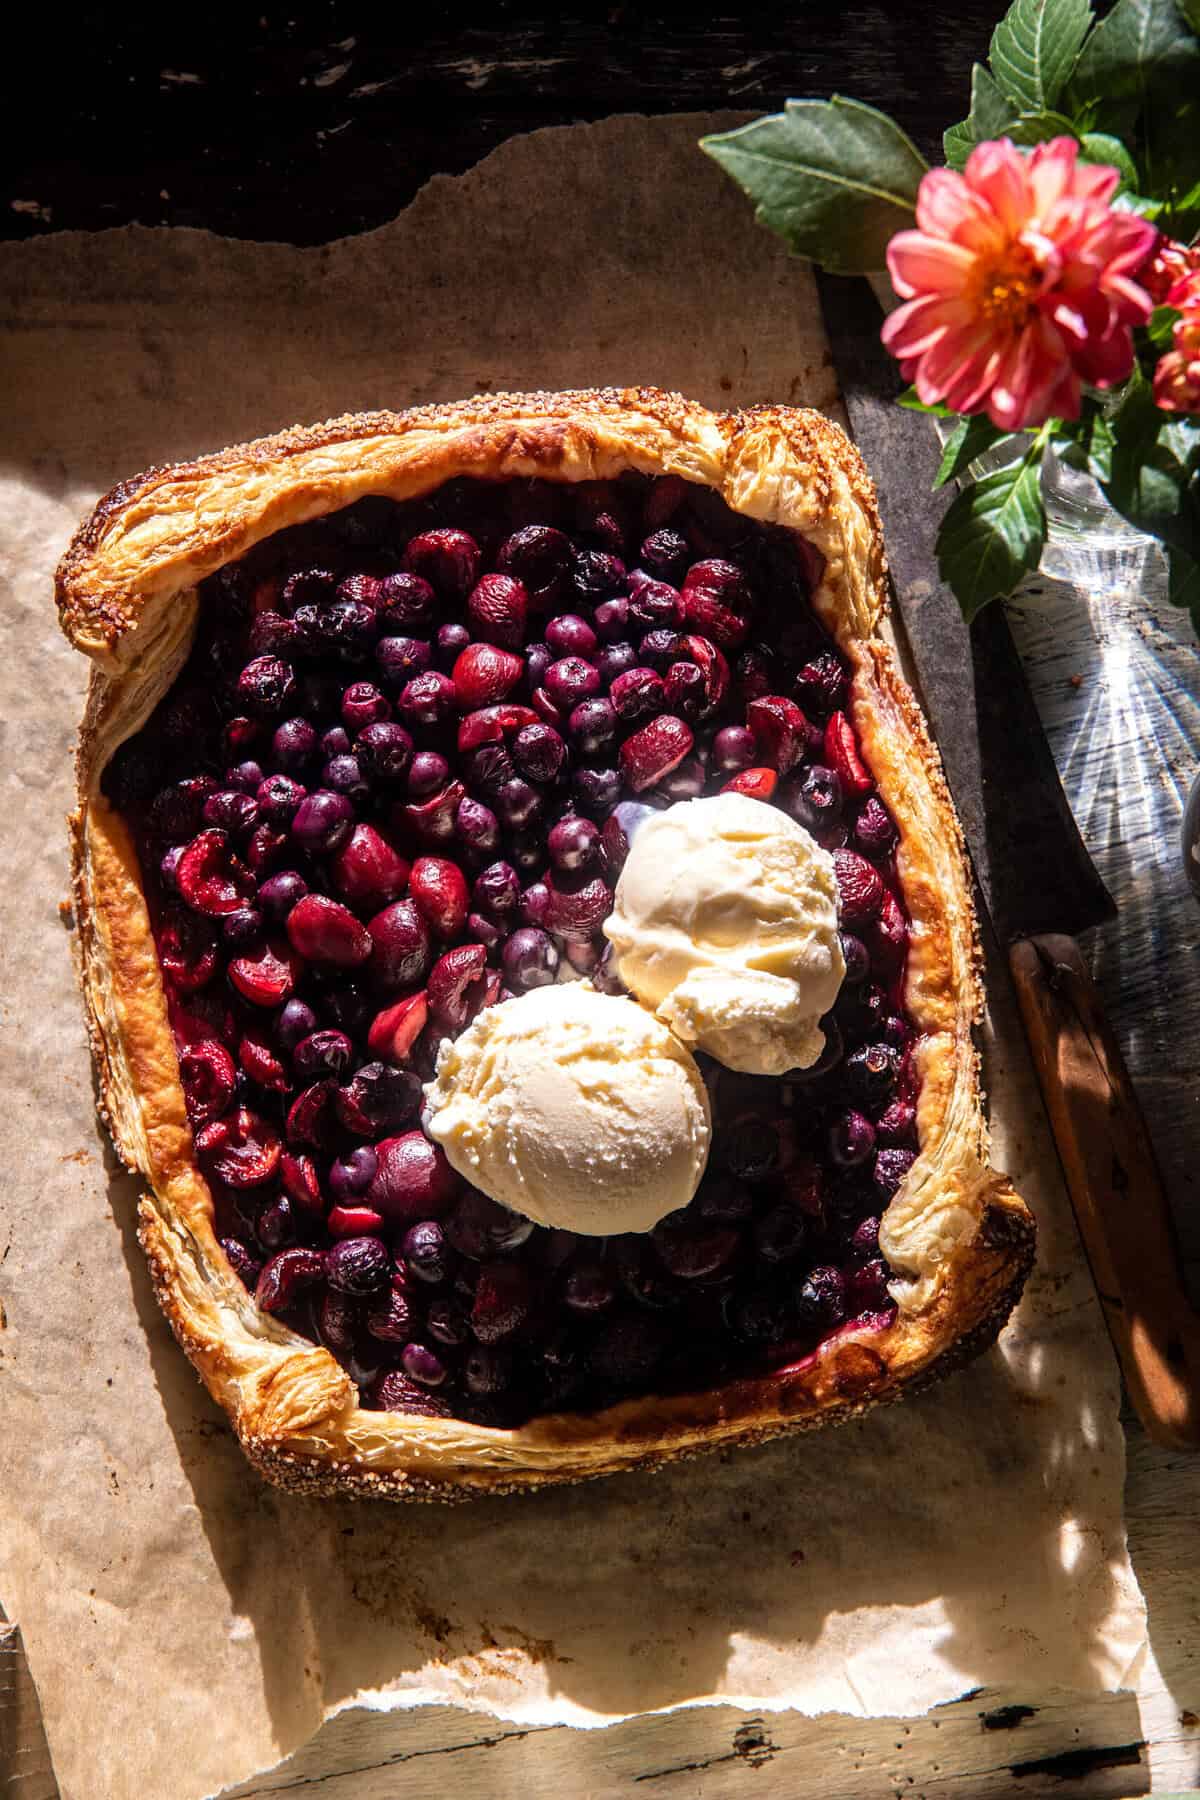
point(278, 797)
point(428, 701)
point(856, 958)
point(874, 833)
point(749, 1147)
point(820, 1299)
point(570, 635)
point(451, 640)
point(423, 1365)
point(871, 1072)
point(891, 1166)
point(423, 1248)
point(589, 1288)
point(357, 1266)
point(447, 559)
point(322, 822)
point(400, 659)
point(573, 843)
point(817, 800)
point(401, 955)
point(597, 574)
point(851, 1139)
point(378, 1100)
point(428, 774)
point(242, 929)
point(245, 776)
point(496, 890)
point(571, 680)
point(502, 1302)
point(480, 1228)
point(539, 752)
point(477, 827)
point(529, 958)
point(596, 791)
point(611, 619)
point(265, 686)
point(413, 1180)
point(350, 1176)
point(592, 726)
point(542, 558)
point(231, 811)
point(628, 1350)
point(406, 602)
point(616, 659)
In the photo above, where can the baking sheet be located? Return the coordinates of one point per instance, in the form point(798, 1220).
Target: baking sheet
point(187, 1625)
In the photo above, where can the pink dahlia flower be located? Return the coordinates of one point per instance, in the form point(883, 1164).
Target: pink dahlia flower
point(1177, 377)
point(1018, 284)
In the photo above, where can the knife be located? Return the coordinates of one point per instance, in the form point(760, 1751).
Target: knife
point(1037, 883)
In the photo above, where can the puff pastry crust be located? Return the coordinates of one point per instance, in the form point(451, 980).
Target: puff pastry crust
point(958, 1235)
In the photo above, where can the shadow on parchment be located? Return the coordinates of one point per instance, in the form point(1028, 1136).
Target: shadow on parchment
point(636, 1593)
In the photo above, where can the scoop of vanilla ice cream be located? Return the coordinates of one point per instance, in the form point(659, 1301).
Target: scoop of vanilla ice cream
point(576, 1108)
point(725, 925)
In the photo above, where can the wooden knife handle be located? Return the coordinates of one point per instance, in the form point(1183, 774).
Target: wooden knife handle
point(1114, 1184)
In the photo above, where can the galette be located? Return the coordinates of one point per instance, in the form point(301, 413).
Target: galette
point(527, 941)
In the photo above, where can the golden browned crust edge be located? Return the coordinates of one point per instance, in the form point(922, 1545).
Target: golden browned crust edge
point(125, 592)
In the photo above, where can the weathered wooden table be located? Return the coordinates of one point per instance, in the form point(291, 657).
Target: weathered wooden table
point(275, 128)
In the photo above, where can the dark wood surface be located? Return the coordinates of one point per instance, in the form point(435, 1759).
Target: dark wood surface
point(311, 122)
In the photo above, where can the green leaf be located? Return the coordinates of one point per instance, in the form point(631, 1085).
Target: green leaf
point(1183, 583)
point(993, 535)
point(1086, 443)
point(834, 178)
point(1134, 40)
point(1160, 326)
point(1191, 12)
point(1100, 147)
point(1153, 478)
point(1034, 48)
point(1039, 127)
point(1136, 203)
point(988, 118)
point(969, 439)
point(958, 141)
point(913, 401)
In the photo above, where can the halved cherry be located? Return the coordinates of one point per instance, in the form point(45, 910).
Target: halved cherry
point(241, 1149)
point(492, 724)
point(353, 1221)
point(301, 1183)
point(712, 665)
point(187, 952)
point(439, 890)
point(432, 821)
point(759, 784)
point(577, 911)
point(210, 878)
point(654, 751)
point(257, 1056)
point(266, 976)
point(497, 608)
point(841, 753)
point(311, 1117)
point(208, 1076)
point(780, 731)
point(286, 1275)
point(394, 1031)
point(454, 986)
point(325, 931)
point(483, 674)
point(887, 938)
point(860, 890)
point(368, 871)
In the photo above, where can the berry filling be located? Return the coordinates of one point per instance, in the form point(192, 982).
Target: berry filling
point(382, 795)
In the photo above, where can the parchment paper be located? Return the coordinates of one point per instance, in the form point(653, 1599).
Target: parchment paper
point(187, 1625)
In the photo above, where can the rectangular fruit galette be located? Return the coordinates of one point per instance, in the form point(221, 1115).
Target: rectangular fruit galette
point(527, 941)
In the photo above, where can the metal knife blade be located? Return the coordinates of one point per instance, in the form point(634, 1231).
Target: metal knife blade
point(1030, 861)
